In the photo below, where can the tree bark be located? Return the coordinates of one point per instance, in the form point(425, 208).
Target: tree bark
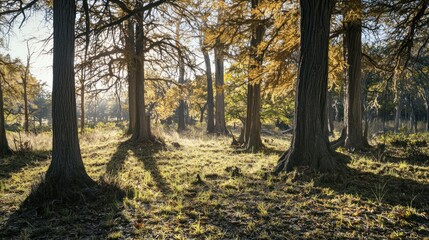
point(25, 84)
point(202, 110)
point(118, 97)
point(398, 113)
point(66, 170)
point(249, 107)
point(220, 125)
point(82, 105)
point(141, 133)
point(4, 146)
point(210, 102)
point(330, 114)
point(131, 70)
point(427, 108)
point(353, 110)
point(427, 116)
point(367, 110)
point(310, 146)
point(413, 121)
point(242, 130)
point(220, 94)
point(181, 110)
point(254, 141)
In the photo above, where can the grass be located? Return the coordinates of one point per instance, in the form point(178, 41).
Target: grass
point(166, 200)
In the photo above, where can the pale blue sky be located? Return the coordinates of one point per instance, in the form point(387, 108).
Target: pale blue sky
point(35, 29)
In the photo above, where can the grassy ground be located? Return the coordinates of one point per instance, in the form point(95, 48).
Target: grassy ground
point(204, 189)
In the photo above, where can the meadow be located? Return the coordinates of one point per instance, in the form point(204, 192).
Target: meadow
point(196, 186)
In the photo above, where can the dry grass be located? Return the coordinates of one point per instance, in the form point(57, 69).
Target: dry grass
point(166, 200)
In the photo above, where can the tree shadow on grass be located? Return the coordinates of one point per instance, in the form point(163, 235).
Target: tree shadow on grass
point(265, 150)
point(17, 161)
point(384, 188)
point(96, 217)
point(144, 152)
point(117, 161)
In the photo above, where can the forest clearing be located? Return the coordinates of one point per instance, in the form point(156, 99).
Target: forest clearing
point(155, 193)
point(224, 119)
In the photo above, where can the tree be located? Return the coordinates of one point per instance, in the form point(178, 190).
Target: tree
point(398, 112)
point(353, 107)
point(142, 130)
point(421, 77)
point(25, 81)
point(131, 72)
point(66, 171)
point(181, 80)
point(219, 49)
point(210, 101)
point(42, 107)
point(310, 146)
point(4, 146)
point(205, 50)
point(252, 134)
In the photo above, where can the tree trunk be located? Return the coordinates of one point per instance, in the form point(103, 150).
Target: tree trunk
point(345, 83)
point(4, 146)
point(95, 118)
point(310, 145)
point(220, 126)
point(254, 142)
point(367, 110)
point(426, 103)
point(330, 114)
point(413, 121)
point(427, 108)
point(210, 102)
point(249, 108)
point(181, 111)
point(25, 84)
point(366, 126)
point(353, 110)
point(118, 97)
point(242, 130)
point(82, 105)
point(202, 110)
point(141, 132)
point(132, 85)
point(66, 170)
point(398, 115)
point(220, 93)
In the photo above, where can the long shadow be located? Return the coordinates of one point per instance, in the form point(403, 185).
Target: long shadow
point(396, 191)
point(117, 160)
point(144, 153)
point(421, 160)
point(98, 217)
point(418, 158)
point(264, 150)
point(384, 188)
point(17, 161)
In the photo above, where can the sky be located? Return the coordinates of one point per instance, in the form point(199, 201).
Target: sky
point(34, 30)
